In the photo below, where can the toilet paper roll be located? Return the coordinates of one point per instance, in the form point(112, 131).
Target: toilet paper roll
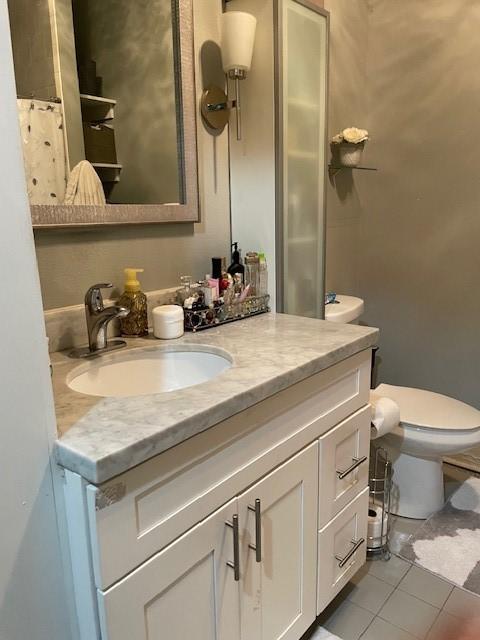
point(375, 515)
point(386, 415)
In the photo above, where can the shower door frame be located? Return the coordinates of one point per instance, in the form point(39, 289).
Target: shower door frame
point(315, 6)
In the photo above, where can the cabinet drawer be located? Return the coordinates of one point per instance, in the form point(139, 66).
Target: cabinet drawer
point(335, 544)
point(344, 455)
point(138, 513)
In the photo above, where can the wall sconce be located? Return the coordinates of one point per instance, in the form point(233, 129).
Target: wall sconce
point(236, 44)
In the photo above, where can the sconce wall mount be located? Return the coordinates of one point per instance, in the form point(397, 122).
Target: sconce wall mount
point(237, 41)
point(215, 108)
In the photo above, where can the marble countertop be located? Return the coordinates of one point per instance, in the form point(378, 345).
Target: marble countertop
point(100, 438)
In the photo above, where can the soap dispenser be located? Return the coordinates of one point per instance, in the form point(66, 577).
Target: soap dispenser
point(136, 323)
point(236, 266)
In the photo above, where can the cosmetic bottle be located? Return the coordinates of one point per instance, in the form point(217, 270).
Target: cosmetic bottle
point(217, 273)
point(237, 284)
point(262, 275)
point(252, 268)
point(236, 266)
point(213, 284)
point(226, 281)
point(208, 292)
point(133, 298)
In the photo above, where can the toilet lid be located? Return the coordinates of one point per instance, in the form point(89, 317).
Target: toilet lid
point(431, 410)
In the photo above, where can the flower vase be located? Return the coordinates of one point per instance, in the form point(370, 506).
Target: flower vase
point(349, 154)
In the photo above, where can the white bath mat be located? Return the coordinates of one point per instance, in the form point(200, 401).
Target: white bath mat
point(323, 634)
point(448, 543)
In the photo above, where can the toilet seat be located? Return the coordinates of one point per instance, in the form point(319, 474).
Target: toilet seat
point(428, 410)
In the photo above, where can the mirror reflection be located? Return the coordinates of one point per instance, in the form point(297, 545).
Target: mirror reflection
point(98, 100)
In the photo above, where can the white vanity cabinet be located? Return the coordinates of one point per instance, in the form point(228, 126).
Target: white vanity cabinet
point(243, 532)
point(202, 583)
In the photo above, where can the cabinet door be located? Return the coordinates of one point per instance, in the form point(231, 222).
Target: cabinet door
point(186, 591)
point(279, 551)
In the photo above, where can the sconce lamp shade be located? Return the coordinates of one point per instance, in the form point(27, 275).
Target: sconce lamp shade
point(237, 40)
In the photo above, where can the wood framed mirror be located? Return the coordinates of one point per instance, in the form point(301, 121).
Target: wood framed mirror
point(107, 109)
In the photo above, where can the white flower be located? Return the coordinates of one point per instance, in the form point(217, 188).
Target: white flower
point(354, 135)
point(338, 139)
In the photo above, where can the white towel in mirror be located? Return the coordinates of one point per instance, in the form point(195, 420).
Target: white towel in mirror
point(84, 186)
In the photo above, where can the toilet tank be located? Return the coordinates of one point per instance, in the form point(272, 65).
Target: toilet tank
point(345, 310)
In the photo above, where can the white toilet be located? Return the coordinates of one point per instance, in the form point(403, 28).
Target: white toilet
point(431, 426)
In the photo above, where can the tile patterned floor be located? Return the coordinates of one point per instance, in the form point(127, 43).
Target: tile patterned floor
point(395, 600)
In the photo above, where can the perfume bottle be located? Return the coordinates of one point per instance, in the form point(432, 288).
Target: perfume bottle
point(185, 290)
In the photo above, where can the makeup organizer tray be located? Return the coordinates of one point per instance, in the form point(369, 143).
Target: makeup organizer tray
point(197, 320)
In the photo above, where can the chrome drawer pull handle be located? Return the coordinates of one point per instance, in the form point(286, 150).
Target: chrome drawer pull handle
point(235, 565)
point(356, 463)
point(257, 547)
point(356, 546)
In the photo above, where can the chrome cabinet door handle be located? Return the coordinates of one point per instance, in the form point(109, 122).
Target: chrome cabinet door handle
point(235, 565)
point(356, 546)
point(257, 547)
point(356, 463)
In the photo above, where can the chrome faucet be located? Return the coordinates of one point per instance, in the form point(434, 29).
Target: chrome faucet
point(98, 318)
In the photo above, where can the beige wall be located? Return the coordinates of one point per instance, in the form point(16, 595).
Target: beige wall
point(406, 239)
point(420, 257)
point(70, 261)
point(32, 48)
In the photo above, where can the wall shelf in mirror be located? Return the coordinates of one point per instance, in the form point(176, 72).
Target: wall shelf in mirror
point(108, 172)
point(96, 108)
point(334, 169)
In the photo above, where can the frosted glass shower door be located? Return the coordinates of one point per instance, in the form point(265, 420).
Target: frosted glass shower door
point(302, 166)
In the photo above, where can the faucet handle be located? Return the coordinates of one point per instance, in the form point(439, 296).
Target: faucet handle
point(93, 297)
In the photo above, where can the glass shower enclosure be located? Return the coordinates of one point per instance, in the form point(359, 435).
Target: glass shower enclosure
point(302, 143)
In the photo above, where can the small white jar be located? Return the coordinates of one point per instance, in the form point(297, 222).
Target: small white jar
point(168, 322)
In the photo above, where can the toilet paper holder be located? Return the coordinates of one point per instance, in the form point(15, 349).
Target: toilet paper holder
point(380, 482)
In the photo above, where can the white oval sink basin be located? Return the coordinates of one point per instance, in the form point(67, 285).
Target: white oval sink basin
point(147, 372)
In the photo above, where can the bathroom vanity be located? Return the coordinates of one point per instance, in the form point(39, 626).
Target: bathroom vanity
point(234, 509)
